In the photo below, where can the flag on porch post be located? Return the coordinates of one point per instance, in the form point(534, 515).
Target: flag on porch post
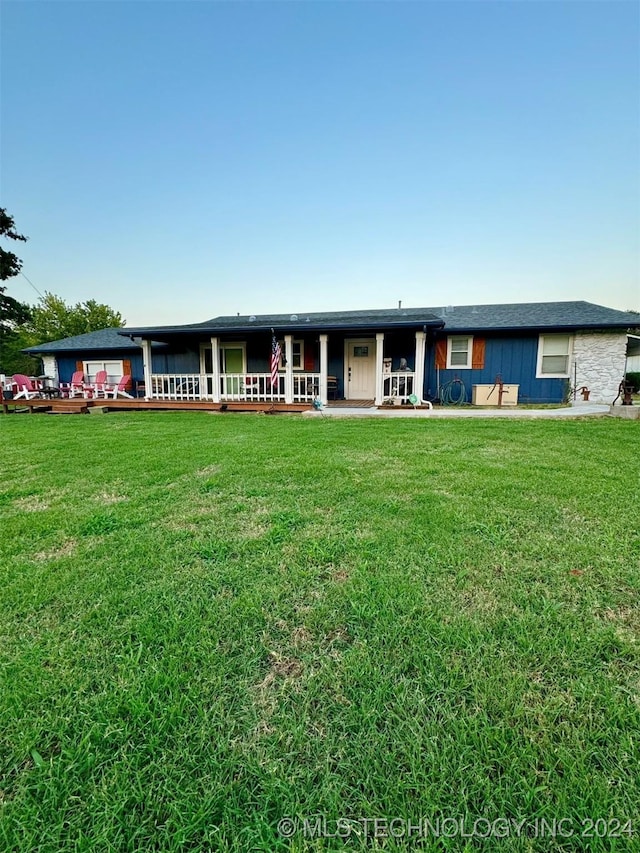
point(275, 359)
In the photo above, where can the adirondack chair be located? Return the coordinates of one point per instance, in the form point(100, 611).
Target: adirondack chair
point(119, 389)
point(24, 387)
point(75, 388)
point(99, 385)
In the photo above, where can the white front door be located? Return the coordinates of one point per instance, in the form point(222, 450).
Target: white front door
point(360, 373)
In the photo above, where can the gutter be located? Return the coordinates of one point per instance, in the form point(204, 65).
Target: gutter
point(550, 328)
point(298, 327)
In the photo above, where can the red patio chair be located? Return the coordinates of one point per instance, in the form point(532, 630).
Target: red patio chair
point(120, 388)
point(99, 385)
point(75, 388)
point(24, 387)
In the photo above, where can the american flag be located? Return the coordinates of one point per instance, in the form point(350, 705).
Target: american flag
point(275, 360)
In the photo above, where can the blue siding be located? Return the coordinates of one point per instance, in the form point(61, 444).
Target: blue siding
point(335, 355)
point(176, 361)
point(513, 358)
point(259, 352)
point(66, 367)
point(67, 362)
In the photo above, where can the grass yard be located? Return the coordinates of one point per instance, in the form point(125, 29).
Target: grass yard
point(209, 624)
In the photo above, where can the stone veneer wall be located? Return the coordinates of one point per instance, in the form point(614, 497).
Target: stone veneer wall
point(599, 358)
point(50, 366)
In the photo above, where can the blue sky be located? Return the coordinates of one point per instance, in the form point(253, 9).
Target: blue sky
point(184, 160)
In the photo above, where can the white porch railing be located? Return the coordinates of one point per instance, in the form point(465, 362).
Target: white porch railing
point(398, 386)
point(180, 386)
point(251, 387)
point(238, 387)
point(306, 387)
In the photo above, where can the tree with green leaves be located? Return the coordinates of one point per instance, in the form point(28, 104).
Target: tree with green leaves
point(52, 319)
point(12, 312)
point(10, 264)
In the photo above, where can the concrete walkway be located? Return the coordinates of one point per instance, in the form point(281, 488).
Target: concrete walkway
point(578, 411)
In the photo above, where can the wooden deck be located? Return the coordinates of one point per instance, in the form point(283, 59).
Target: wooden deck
point(80, 406)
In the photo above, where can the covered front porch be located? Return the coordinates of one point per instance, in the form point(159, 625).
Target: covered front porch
point(384, 366)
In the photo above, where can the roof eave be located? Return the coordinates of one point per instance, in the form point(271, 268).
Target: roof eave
point(569, 327)
point(39, 349)
point(290, 327)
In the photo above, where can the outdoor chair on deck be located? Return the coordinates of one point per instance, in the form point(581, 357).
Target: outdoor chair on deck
point(99, 385)
point(120, 389)
point(24, 388)
point(75, 388)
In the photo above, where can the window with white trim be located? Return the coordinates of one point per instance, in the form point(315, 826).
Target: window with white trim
point(459, 352)
point(554, 355)
point(114, 370)
point(297, 355)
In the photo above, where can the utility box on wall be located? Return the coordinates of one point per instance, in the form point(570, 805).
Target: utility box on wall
point(489, 395)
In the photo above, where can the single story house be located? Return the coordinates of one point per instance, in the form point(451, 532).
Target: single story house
point(543, 348)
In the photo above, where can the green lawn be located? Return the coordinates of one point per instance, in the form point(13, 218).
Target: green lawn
point(211, 623)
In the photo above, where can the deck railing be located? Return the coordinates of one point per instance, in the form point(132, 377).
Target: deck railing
point(239, 387)
point(398, 386)
point(306, 387)
point(251, 387)
point(180, 386)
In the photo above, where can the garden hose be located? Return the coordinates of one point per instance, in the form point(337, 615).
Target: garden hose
point(453, 393)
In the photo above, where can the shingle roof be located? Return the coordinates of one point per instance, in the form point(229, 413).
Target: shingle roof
point(327, 319)
point(528, 315)
point(382, 318)
point(534, 315)
point(105, 339)
point(460, 318)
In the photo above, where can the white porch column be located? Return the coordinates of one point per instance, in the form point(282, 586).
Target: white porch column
point(288, 370)
point(324, 369)
point(418, 382)
point(147, 368)
point(379, 357)
point(215, 369)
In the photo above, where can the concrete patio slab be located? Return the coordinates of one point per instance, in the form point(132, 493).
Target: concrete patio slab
point(578, 411)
